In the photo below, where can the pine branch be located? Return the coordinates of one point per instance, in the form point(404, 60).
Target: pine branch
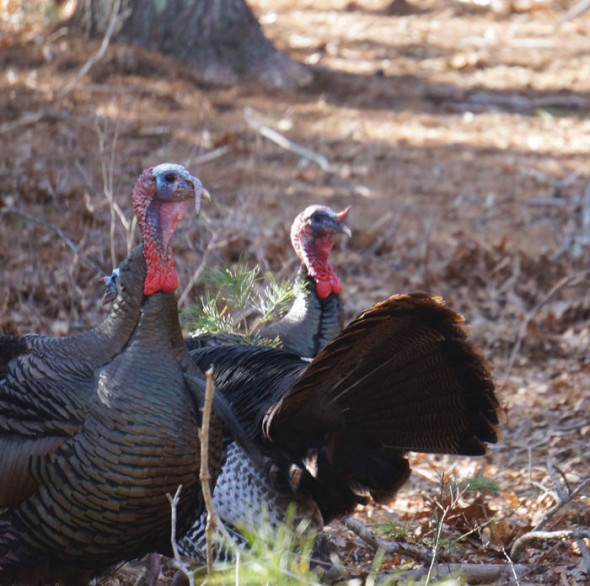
point(228, 312)
point(209, 318)
point(276, 299)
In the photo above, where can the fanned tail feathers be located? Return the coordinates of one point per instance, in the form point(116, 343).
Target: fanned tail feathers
point(401, 377)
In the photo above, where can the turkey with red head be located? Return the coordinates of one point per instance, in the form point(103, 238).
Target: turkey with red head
point(336, 432)
point(316, 315)
point(96, 428)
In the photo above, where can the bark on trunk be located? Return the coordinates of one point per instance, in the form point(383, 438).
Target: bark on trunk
point(220, 40)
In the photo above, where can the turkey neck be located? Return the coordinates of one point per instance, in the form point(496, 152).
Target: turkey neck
point(159, 323)
point(314, 253)
point(311, 321)
point(126, 308)
point(107, 339)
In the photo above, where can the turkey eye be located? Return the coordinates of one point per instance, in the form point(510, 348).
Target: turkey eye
point(170, 177)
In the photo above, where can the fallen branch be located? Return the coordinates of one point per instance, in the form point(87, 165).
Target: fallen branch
point(523, 103)
point(519, 545)
point(575, 11)
point(563, 500)
point(415, 552)
point(210, 156)
point(470, 573)
point(284, 142)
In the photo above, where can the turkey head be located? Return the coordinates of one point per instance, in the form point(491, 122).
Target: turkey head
point(312, 237)
point(161, 199)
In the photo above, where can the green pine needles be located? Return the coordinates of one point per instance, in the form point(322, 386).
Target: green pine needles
point(240, 305)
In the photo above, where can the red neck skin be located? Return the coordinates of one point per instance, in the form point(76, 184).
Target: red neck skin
point(157, 221)
point(314, 253)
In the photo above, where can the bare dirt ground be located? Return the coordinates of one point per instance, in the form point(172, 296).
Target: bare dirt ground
point(459, 137)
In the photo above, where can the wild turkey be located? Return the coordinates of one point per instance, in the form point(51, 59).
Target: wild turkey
point(401, 377)
point(96, 428)
point(316, 315)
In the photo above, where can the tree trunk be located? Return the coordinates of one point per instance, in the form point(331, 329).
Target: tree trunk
point(220, 40)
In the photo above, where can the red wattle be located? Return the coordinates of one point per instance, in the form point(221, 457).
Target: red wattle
point(156, 281)
point(323, 289)
point(336, 284)
point(151, 284)
point(170, 282)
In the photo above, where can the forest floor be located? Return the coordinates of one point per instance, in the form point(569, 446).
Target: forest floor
point(458, 135)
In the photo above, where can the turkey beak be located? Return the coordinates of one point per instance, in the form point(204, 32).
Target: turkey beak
point(342, 227)
point(202, 193)
point(109, 296)
point(110, 282)
point(345, 230)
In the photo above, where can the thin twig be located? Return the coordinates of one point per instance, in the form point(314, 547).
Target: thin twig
point(445, 510)
point(566, 499)
point(553, 471)
point(213, 520)
point(56, 230)
point(210, 156)
point(512, 566)
point(28, 118)
point(115, 22)
point(534, 483)
point(184, 568)
point(413, 551)
point(204, 472)
point(561, 498)
point(107, 185)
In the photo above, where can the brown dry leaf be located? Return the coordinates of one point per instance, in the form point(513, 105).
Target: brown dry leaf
point(466, 517)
